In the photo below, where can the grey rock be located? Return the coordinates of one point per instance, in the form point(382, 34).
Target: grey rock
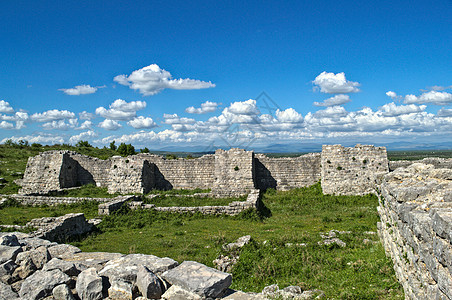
point(7, 268)
point(6, 293)
point(41, 284)
point(61, 250)
point(241, 241)
point(86, 260)
point(126, 267)
point(39, 256)
point(239, 295)
point(34, 242)
point(26, 268)
point(9, 253)
point(444, 281)
point(9, 240)
point(178, 293)
point(62, 292)
point(89, 285)
point(120, 290)
point(294, 290)
point(148, 283)
point(270, 290)
point(64, 266)
point(198, 278)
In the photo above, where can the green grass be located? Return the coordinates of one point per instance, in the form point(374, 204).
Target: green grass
point(178, 192)
point(12, 213)
point(418, 154)
point(165, 201)
point(88, 191)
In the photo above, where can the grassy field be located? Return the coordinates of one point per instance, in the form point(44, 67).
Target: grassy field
point(171, 200)
point(358, 271)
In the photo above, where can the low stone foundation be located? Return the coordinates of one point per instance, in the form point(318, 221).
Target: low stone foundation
point(49, 200)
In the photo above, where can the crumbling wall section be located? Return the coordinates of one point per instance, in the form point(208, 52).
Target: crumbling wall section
point(352, 171)
point(440, 163)
point(416, 229)
point(287, 172)
point(91, 169)
point(234, 172)
point(131, 174)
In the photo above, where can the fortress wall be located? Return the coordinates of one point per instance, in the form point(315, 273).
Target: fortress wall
point(234, 172)
point(445, 163)
point(48, 171)
point(352, 171)
point(91, 169)
point(287, 172)
point(416, 229)
point(132, 174)
point(182, 173)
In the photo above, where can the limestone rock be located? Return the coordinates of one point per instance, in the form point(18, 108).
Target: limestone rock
point(7, 268)
point(34, 242)
point(89, 285)
point(41, 284)
point(85, 260)
point(39, 256)
point(148, 283)
point(62, 292)
point(241, 241)
point(26, 268)
point(9, 240)
point(239, 295)
point(199, 279)
point(126, 267)
point(64, 266)
point(61, 250)
point(177, 293)
point(6, 293)
point(120, 290)
point(9, 253)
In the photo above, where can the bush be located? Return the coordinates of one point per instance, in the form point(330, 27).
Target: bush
point(81, 144)
point(126, 149)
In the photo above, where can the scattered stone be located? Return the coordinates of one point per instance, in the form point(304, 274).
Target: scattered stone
point(241, 241)
point(121, 290)
point(149, 285)
point(41, 284)
point(62, 292)
point(64, 266)
point(89, 285)
point(85, 260)
point(225, 263)
point(9, 253)
point(6, 293)
point(34, 242)
point(9, 240)
point(239, 295)
point(26, 268)
point(178, 293)
point(199, 279)
point(61, 250)
point(7, 268)
point(39, 256)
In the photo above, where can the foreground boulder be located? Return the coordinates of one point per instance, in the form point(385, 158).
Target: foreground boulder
point(89, 285)
point(199, 279)
point(41, 284)
point(149, 285)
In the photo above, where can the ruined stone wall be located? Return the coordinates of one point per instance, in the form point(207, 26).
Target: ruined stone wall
point(131, 174)
point(443, 163)
point(41, 200)
point(234, 171)
point(351, 171)
point(49, 171)
point(416, 229)
point(183, 173)
point(287, 172)
point(91, 169)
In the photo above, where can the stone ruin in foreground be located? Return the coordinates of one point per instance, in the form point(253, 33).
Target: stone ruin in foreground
point(415, 201)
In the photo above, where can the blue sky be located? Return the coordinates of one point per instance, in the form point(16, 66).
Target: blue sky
point(188, 74)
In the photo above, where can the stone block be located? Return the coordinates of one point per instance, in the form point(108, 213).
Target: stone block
point(89, 285)
point(41, 284)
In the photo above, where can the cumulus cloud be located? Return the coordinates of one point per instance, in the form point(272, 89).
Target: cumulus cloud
point(152, 79)
point(5, 107)
point(82, 136)
point(391, 109)
point(444, 112)
point(108, 124)
point(335, 83)
point(52, 115)
point(84, 115)
point(19, 117)
point(336, 100)
point(247, 107)
point(59, 125)
point(142, 122)
point(85, 125)
point(6, 125)
point(432, 97)
point(37, 138)
point(440, 88)
point(289, 115)
point(175, 119)
point(206, 107)
point(78, 90)
point(121, 110)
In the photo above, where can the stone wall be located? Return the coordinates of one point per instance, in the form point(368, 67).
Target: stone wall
point(352, 171)
point(131, 174)
point(287, 172)
point(444, 163)
point(91, 169)
point(416, 229)
point(40, 200)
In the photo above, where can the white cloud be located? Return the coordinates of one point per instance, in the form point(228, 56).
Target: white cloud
point(37, 138)
point(175, 119)
point(332, 111)
point(5, 107)
point(52, 115)
point(6, 125)
point(289, 115)
point(391, 109)
point(433, 97)
point(121, 110)
point(84, 115)
point(142, 122)
point(335, 100)
point(440, 88)
point(19, 117)
point(247, 107)
point(85, 125)
point(393, 95)
point(82, 136)
point(58, 125)
point(78, 90)
point(335, 83)
point(152, 79)
point(444, 112)
point(206, 107)
point(108, 124)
